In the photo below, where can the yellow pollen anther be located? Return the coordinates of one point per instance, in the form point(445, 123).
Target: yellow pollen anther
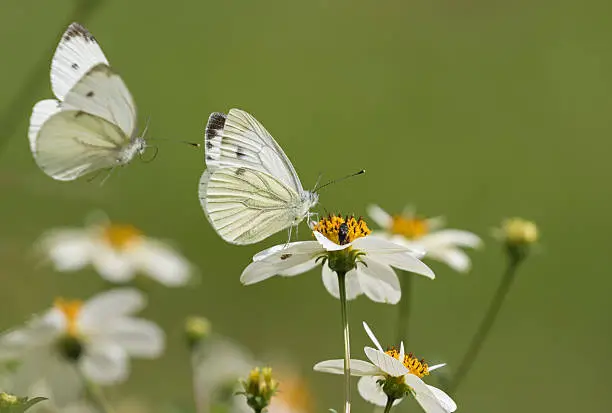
point(121, 237)
point(342, 230)
point(409, 227)
point(71, 310)
point(417, 367)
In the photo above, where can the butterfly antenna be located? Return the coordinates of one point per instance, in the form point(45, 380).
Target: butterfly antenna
point(318, 181)
point(318, 188)
point(108, 175)
point(146, 128)
point(193, 144)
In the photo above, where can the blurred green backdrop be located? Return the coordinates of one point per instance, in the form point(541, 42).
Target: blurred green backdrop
point(476, 110)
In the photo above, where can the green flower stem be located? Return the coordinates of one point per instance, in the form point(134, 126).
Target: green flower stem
point(486, 324)
point(389, 404)
point(198, 403)
point(404, 306)
point(347, 343)
point(94, 394)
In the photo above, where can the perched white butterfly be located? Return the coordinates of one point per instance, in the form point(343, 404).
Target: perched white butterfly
point(92, 124)
point(250, 189)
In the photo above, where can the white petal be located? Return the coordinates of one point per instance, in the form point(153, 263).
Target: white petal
point(358, 367)
point(64, 383)
point(40, 331)
point(330, 280)
point(111, 304)
point(435, 223)
point(373, 244)
point(436, 366)
point(68, 249)
point(393, 254)
point(372, 392)
point(300, 268)
point(380, 216)
point(424, 396)
point(444, 399)
point(161, 262)
point(105, 364)
point(114, 266)
point(385, 362)
point(269, 251)
point(453, 257)
point(379, 282)
point(372, 336)
point(402, 352)
point(275, 263)
point(451, 238)
point(137, 337)
point(327, 244)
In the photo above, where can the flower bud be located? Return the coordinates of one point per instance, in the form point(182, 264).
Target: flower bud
point(196, 329)
point(259, 388)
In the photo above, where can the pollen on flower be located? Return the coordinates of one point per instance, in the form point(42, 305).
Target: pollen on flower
point(417, 367)
point(342, 230)
point(71, 310)
point(409, 227)
point(121, 236)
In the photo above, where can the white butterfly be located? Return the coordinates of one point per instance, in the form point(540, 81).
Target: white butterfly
point(250, 189)
point(91, 125)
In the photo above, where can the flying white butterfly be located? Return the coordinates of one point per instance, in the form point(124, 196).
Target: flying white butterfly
point(250, 189)
point(92, 124)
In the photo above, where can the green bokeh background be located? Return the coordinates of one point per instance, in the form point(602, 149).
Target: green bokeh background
point(475, 110)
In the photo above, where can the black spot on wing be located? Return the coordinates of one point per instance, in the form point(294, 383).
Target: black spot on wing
point(90, 94)
point(240, 171)
point(215, 125)
point(240, 154)
point(76, 30)
point(75, 66)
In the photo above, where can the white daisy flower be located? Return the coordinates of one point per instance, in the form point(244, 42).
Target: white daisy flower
point(427, 235)
point(117, 252)
point(93, 339)
point(392, 374)
point(345, 244)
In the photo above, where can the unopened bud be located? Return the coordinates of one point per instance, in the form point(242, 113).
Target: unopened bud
point(196, 329)
point(259, 388)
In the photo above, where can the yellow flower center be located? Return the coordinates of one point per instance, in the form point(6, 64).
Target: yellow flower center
point(342, 230)
point(409, 227)
point(71, 310)
point(121, 237)
point(417, 367)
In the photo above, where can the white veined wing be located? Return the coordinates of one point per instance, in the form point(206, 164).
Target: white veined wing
point(239, 140)
point(77, 52)
point(245, 205)
point(73, 143)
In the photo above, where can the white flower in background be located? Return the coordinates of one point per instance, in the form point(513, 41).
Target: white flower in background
point(341, 243)
point(117, 252)
point(426, 235)
point(293, 396)
point(392, 374)
point(218, 364)
point(94, 339)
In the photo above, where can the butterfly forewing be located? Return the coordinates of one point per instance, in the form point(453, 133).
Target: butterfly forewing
point(245, 205)
point(73, 143)
point(239, 140)
point(77, 52)
point(103, 93)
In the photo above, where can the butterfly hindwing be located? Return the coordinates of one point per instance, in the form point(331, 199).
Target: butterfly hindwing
point(73, 143)
point(245, 205)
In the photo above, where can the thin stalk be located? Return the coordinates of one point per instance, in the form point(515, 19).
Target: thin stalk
point(199, 403)
point(404, 306)
point(94, 394)
point(389, 404)
point(347, 342)
point(486, 324)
